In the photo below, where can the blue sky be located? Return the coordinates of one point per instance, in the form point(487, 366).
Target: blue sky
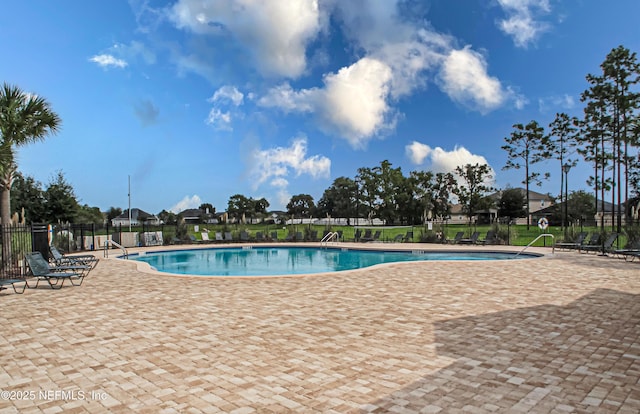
point(197, 100)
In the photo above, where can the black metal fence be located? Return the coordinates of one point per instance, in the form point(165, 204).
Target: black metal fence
point(15, 242)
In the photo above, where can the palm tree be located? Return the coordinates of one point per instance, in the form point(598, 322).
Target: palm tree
point(24, 118)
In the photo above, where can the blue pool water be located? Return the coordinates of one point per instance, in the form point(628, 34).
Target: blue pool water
point(271, 261)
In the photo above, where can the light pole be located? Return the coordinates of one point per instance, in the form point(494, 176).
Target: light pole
point(565, 169)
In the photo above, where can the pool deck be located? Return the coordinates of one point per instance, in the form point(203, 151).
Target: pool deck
point(556, 334)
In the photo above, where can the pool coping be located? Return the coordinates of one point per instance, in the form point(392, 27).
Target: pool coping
point(144, 267)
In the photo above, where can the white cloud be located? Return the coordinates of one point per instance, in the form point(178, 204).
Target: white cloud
point(439, 160)
point(228, 93)
point(219, 120)
point(352, 104)
point(275, 32)
point(106, 61)
point(225, 96)
point(464, 78)
point(521, 23)
point(417, 152)
point(556, 103)
point(276, 164)
point(187, 202)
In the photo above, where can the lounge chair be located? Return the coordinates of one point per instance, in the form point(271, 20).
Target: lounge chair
point(228, 237)
point(71, 260)
point(299, 236)
point(630, 251)
point(41, 270)
point(244, 236)
point(367, 236)
point(459, 235)
point(290, 237)
point(408, 237)
point(398, 238)
point(471, 240)
point(594, 240)
point(14, 284)
point(260, 236)
point(604, 247)
point(313, 235)
point(274, 236)
point(375, 237)
point(205, 237)
point(357, 235)
point(219, 236)
point(490, 238)
point(580, 238)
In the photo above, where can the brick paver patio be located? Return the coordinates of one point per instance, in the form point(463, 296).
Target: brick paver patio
point(557, 334)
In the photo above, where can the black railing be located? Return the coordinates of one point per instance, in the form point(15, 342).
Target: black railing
point(15, 241)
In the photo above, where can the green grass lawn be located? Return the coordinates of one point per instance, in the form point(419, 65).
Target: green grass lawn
point(519, 235)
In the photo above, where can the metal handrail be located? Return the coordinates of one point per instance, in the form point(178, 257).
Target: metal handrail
point(327, 238)
point(106, 250)
point(553, 246)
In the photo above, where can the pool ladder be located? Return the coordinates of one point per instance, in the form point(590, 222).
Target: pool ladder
point(553, 246)
point(332, 235)
point(106, 248)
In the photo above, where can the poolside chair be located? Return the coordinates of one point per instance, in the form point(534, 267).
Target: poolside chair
point(228, 237)
point(290, 237)
point(398, 238)
point(274, 236)
point(205, 237)
point(630, 251)
point(313, 235)
point(376, 236)
point(299, 236)
point(408, 237)
point(244, 236)
point(14, 284)
point(219, 236)
point(490, 238)
point(367, 236)
point(459, 235)
point(580, 238)
point(594, 240)
point(471, 240)
point(357, 235)
point(605, 247)
point(260, 236)
point(71, 260)
point(41, 270)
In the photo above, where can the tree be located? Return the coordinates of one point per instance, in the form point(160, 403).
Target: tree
point(471, 187)
point(381, 190)
point(89, 215)
point(166, 217)
point(60, 201)
point(260, 206)
point(113, 212)
point(530, 145)
point(300, 205)
point(564, 130)
point(339, 200)
point(580, 205)
point(24, 118)
point(208, 208)
point(512, 203)
point(239, 206)
point(27, 196)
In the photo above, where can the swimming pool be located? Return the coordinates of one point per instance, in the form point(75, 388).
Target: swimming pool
point(278, 261)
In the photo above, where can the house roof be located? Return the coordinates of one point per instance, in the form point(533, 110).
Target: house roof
point(136, 214)
point(192, 213)
point(533, 195)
